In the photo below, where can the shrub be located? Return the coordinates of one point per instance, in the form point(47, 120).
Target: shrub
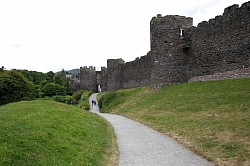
point(84, 102)
point(68, 99)
point(63, 99)
point(84, 105)
point(15, 87)
point(74, 101)
point(38, 92)
point(51, 89)
point(77, 95)
point(186, 46)
point(58, 98)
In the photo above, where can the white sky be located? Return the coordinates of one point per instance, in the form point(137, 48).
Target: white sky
point(45, 35)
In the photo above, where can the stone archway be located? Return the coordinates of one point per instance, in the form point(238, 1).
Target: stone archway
point(99, 90)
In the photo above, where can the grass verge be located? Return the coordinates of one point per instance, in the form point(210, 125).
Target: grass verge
point(112, 153)
point(44, 132)
point(211, 118)
point(84, 101)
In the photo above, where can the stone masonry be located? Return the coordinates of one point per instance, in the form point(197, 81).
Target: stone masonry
point(88, 78)
point(180, 52)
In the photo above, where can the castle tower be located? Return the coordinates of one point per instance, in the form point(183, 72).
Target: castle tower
point(104, 78)
point(166, 37)
point(115, 74)
point(88, 78)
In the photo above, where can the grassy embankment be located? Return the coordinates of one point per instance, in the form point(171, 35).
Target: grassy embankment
point(84, 101)
point(211, 118)
point(43, 132)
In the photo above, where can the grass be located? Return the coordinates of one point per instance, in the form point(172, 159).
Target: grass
point(44, 132)
point(210, 118)
point(84, 101)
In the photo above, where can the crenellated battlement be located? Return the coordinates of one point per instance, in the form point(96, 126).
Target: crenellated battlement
point(232, 9)
point(233, 13)
point(181, 52)
point(168, 18)
point(88, 68)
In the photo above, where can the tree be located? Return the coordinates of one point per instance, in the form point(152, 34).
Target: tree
point(49, 76)
point(27, 74)
point(2, 69)
point(15, 87)
point(34, 76)
point(51, 89)
point(38, 77)
point(61, 79)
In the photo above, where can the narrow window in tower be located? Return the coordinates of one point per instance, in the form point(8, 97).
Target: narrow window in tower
point(181, 33)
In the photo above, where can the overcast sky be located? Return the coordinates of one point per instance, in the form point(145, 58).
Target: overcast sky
point(50, 35)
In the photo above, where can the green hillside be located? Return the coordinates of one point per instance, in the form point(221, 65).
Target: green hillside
point(43, 132)
point(73, 71)
point(210, 118)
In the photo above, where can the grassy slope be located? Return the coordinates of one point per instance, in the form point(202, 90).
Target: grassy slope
point(211, 118)
point(84, 101)
point(49, 133)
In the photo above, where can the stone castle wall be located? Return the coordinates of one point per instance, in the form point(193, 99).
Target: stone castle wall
point(181, 53)
point(221, 44)
point(239, 73)
point(137, 73)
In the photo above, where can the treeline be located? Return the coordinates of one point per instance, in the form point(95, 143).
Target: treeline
point(17, 85)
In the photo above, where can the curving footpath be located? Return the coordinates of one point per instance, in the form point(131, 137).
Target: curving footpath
point(140, 145)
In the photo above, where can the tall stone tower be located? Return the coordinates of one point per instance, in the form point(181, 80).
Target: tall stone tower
point(88, 78)
point(104, 78)
point(115, 74)
point(169, 58)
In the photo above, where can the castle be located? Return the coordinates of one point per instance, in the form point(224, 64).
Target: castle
point(180, 52)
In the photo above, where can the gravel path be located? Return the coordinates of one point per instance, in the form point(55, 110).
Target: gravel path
point(140, 145)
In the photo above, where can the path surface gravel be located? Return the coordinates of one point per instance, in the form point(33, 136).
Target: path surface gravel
point(140, 145)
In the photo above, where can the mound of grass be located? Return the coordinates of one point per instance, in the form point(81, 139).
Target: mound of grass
point(111, 100)
point(211, 118)
point(44, 132)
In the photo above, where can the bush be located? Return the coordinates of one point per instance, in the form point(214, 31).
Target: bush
point(84, 102)
point(58, 98)
point(77, 95)
point(84, 105)
point(74, 101)
point(15, 87)
point(51, 89)
point(38, 92)
point(63, 99)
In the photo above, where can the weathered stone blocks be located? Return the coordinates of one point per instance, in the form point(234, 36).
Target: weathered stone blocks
point(215, 49)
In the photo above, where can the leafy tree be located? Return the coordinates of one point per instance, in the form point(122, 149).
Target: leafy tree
point(68, 87)
point(38, 91)
point(2, 69)
point(51, 89)
point(37, 77)
point(49, 76)
point(15, 87)
point(61, 79)
point(34, 76)
point(27, 74)
point(43, 83)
